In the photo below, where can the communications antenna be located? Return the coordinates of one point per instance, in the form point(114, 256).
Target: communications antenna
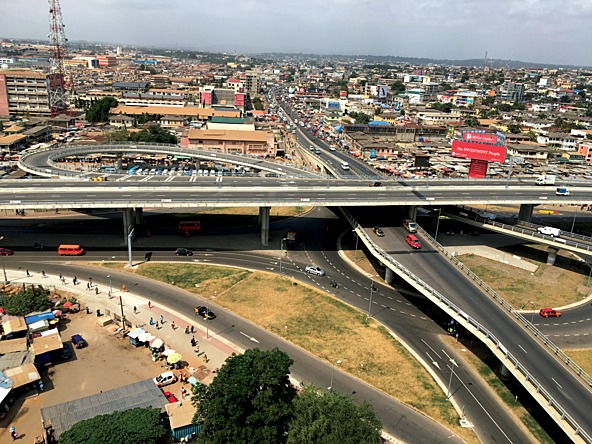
point(58, 82)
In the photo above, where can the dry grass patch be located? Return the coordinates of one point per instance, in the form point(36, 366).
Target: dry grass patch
point(549, 286)
point(583, 357)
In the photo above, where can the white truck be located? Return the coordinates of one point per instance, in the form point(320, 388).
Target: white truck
point(545, 179)
point(549, 231)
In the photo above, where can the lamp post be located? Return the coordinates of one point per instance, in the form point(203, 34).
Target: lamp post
point(332, 372)
point(453, 362)
point(370, 304)
point(574, 222)
point(110, 286)
point(357, 237)
point(129, 245)
point(438, 223)
point(533, 312)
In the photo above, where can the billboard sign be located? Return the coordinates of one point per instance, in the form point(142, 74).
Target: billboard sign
point(471, 136)
point(478, 169)
point(333, 105)
point(382, 91)
point(470, 150)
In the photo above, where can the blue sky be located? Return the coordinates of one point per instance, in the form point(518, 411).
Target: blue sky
point(551, 31)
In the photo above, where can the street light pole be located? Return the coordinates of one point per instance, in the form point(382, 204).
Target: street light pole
point(438, 223)
point(370, 304)
point(533, 312)
point(357, 237)
point(453, 362)
point(129, 245)
point(110, 286)
point(332, 372)
point(574, 222)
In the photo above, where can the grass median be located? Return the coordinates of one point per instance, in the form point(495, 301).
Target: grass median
point(320, 324)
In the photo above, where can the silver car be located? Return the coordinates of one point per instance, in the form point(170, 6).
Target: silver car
point(315, 270)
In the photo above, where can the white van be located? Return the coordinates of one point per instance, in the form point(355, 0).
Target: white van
point(549, 231)
point(345, 166)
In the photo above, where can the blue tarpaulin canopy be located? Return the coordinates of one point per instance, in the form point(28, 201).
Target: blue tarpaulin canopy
point(379, 123)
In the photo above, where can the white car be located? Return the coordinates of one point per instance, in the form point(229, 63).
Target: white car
point(165, 378)
point(488, 216)
point(315, 270)
point(549, 231)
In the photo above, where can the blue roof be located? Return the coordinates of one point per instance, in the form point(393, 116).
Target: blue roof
point(31, 319)
point(379, 123)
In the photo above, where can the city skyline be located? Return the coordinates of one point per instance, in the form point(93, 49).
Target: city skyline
point(541, 31)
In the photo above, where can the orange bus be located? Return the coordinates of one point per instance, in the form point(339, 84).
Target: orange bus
point(70, 250)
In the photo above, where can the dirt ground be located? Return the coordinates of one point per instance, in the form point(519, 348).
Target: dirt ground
point(107, 363)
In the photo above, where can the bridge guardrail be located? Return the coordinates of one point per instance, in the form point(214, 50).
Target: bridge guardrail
point(474, 323)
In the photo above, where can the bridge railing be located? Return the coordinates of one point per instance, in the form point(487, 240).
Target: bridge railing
point(539, 388)
point(521, 229)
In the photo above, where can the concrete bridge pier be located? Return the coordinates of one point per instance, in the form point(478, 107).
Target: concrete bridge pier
point(128, 223)
point(388, 275)
point(552, 255)
point(139, 216)
point(525, 214)
point(264, 221)
point(505, 372)
point(411, 211)
point(119, 165)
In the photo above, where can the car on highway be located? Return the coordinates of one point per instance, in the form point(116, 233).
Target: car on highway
point(165, 378)
point(549, 231)
point(6, 251)
point(549, 313)
point(378, 231)
point(410, 225)
point(78, 341)
point(170, 397)
point(488, 216)
point(312, 269)
point(413, 241)
point(183, 252)
point(376, 184)
point(562, 191)
point(204, 312)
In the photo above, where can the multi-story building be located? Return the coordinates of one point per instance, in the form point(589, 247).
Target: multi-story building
point(511, 91)
point(260, 143)
point(252, 83)
point(107, 61)
point(585, 149)
point(24, 93)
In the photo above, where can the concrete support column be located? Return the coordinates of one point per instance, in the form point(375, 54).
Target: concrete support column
point(264, 221)
point(139, 216)
point(411, 211)
point(119, 165)
point(128, 223)
point(525, 214)
point(389, 275)
point(504, 371)
point(552, 255)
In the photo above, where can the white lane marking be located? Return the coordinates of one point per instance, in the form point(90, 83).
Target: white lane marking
point(557, 383)
point(522, 348)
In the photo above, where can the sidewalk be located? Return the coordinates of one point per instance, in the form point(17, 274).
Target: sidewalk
point(215, 348)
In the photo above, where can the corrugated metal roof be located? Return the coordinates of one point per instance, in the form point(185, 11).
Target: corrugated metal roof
point(140, 394)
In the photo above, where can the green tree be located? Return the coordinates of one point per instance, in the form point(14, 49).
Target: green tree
point(249, 400)
point(505, 107)
point(328, 418)
point(145, 118)
point(532, 136)
point(135, 426)
point(514, 128)
point(397, 87)
point(257, 104)
point(27, 301)
point(98, 111)
point(360, 118)
point(153, 134)
point(472, 122)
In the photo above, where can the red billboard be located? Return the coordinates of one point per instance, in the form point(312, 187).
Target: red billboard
point(239, 99)
point(478, 169)
point(470, 136)
point(470, 150)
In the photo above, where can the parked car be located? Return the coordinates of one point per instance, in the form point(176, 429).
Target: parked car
point(488, 216)
point(183, 252)
point(378, 231)
point(6, 251)
point(413, 241)
point(549, 313)
point(165, 378)
point(204, 312)
point(315, 270)
point(172, 398)
point(78, 341)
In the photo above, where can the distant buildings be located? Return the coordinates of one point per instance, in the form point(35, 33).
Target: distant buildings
point(24, 93)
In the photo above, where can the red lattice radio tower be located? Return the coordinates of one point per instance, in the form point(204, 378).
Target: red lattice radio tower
point(58, 84)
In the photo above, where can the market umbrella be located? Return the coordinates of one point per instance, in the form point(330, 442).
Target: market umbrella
point(168, 351)
point(68, 304)
point(174, 358)
point(156, 343)
point(57, 312)
point(144, 336)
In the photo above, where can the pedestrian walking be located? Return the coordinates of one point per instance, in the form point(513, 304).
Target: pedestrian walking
point(75, 280)
point(187, 329)
point(197, 347)
point(205, 358)
point(87, 286)
point(193, 342)
point(13, 433)
point(149, 305)
point(173, 325)
point(136, 310)
point(192, 330)
point(97, 290)
point(90, 281)
point(63, 280)
point(87, 310)
point(151, 321)
point(161, 319)
point(61, 276)
point(28, 274)
point(43, 273)
point(157, 327)
point(183, 392)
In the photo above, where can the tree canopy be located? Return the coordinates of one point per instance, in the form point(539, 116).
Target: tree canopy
point(98, 111)
point(249, 400)
point(26, 301)
point(328, 418)
point(153, 134)
point(135, 426)
point(360, 118)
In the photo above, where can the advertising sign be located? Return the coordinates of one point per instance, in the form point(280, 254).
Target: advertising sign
point(478, 169)
point(471, 136)
point(470, 150)
point(382, 91)
point(372, 154)
point(333, 105)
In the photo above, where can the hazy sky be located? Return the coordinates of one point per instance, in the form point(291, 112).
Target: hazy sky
point(552, 31)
